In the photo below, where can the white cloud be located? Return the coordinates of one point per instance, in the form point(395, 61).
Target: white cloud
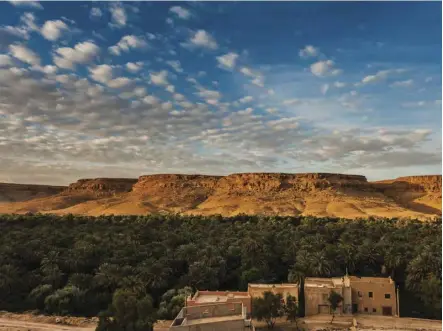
point(81, 53)
point(258, 81)
point(134, 67)
point(420, 104)
point(119, 82)
point(101, 73)
point(126, 43)
point(24, 54)
point(247, 72)
point(52, 30)
point(309, 51)
point(258, 77)
point(95, 12)
point(323, 68)
point(246, 99)
point(211, 96)
point(403, 83)
point(203, 39)
point(181, 12)
point(24, 30)
point(118, 15)
point(428, 79)
point(176, 65)
point(47, 69)
point(380, 75)
point(339, 84)
point(151, 100)
point(375, 78)
point(5, 60)
point(170, 88)
point(247, 111)
point(291, 102)
point(159, 78)
point(227, 61)
point(27, 3)
point(324, 89)
point(271, 92)
point(272, 110)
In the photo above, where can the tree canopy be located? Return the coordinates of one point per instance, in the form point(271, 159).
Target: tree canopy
point(86, 266)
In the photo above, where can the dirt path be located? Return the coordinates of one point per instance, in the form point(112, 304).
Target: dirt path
point(16, 325)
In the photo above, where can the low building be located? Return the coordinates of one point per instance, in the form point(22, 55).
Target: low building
point(317, 291)
point(257, 290)
point(212, 317)
point(361, 295)
point(374, 295)
point(211, 297)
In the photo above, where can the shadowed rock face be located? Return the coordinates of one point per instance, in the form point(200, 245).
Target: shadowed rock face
point(24, 192)
point(430, 183)
point(101, 186)
point(317, 194)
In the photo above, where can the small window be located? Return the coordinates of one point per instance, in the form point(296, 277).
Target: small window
point(359, 294)
point(370, 294)
point(387, 296)
point(366, 309)
point(374, 310)
point(325, 298)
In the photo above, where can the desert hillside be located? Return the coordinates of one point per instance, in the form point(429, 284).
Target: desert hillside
point(22, 192)
point(316, 194)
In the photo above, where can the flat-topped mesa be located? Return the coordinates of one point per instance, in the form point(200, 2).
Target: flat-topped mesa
point(175, 181)
point(101, 186)
point(426, 183)
point(274, 182)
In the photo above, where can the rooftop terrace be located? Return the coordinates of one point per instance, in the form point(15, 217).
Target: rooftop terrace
point(211, 313)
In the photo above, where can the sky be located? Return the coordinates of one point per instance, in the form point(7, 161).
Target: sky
point(123, 89)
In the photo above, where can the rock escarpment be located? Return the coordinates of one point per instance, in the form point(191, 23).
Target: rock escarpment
point(317, 194)
point(101, 186)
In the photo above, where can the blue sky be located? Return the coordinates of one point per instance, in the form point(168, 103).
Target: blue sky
point(121, 89)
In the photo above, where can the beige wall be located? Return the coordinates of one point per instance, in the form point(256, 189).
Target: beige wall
point(316, 300)
point(238, 325)
point(256, 292)
point(216, 310)
point(246, 300)
point(377, 301)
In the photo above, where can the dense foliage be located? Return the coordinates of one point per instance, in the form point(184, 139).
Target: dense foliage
point(86, 266)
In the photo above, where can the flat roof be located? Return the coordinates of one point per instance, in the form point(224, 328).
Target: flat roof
point(272, 285)
point(387, 280)
point(338, 281)
point(218, 296)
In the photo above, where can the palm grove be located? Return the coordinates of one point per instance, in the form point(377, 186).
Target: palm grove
point(133, 270)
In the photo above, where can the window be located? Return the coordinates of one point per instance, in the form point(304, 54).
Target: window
point(374, 310)
point(370, 294)
point(325, 298)
point(387, 296)
point(366, 309)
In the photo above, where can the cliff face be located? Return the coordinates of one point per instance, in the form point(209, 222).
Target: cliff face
point(251, 183)
point(101, 186)
point(177, 182)
point(317, 194)
point(24, 192)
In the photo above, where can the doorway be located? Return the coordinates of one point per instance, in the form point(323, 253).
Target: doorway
point(387, 311)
